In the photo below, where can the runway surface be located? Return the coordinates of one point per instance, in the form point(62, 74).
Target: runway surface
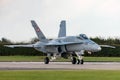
point(59, 66)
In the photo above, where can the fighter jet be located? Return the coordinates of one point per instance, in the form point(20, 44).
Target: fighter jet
point(63, 46)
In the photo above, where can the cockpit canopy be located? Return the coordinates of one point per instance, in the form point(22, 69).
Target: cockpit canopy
point(82, 36)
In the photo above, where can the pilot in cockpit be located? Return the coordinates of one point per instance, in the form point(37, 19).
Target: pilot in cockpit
point(83, 36)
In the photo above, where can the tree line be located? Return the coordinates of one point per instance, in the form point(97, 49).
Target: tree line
point(6, 51)
point(107, 52)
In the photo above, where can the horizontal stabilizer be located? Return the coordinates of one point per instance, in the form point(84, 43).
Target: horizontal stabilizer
point(107, 46)
point(13, 46)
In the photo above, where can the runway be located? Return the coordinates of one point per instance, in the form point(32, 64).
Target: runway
point(59, 66)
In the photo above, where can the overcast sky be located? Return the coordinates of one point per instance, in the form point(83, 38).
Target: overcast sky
point(91, 17)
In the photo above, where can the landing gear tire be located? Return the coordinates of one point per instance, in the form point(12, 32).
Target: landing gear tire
point(46, 60)
point(81, 61)
point(74, 60)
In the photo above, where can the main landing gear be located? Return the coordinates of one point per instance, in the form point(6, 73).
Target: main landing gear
point(46, 60)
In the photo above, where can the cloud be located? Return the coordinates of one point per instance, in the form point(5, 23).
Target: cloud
point(86, 16)
point(109, 8)
point(5, 2)
point(67, 8)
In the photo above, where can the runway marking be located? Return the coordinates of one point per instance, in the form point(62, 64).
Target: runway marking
point(59, 66)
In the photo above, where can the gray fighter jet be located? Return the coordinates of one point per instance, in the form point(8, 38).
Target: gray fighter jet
point(63, 46)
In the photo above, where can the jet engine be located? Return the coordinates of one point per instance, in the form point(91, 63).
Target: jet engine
point(59, 49)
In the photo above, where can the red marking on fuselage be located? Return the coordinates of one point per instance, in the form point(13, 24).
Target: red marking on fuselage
point(38, 30)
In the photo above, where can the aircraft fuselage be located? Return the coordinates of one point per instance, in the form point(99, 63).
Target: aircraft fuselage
point(77, 45)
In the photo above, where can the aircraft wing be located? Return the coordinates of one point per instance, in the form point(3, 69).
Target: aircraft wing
point(13, 46)
point(107, 46)
point(62, 43)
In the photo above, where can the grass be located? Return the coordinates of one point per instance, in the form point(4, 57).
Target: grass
point(41, 58)
point(21, 58)
point(102, 59)
point(60, 75)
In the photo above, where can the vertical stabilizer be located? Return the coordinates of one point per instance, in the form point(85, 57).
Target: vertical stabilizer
point(39, 33)
point(62, 31)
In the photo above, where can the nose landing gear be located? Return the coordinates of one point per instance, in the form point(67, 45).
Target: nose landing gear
point(78, 60)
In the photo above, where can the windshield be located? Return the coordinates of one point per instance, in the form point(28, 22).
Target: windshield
point(83, 36)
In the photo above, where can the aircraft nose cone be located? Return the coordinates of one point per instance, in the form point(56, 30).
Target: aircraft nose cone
point(99, 48)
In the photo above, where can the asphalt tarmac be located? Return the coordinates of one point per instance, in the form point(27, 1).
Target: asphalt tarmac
point(59, 66)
